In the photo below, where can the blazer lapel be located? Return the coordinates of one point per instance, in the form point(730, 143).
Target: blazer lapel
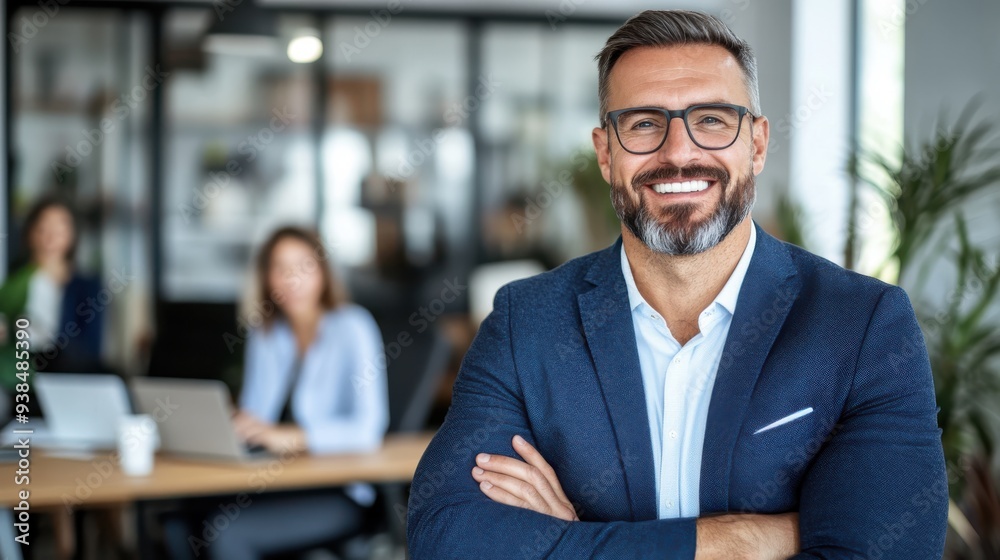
point(768, 292)
point(607, 325)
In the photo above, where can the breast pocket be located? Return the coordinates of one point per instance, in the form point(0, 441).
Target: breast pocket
point(797, 416)
point(774, 451)
point(782, 439)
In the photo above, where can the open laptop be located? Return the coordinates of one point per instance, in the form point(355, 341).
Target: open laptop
point(82, 411)
point(194, 417)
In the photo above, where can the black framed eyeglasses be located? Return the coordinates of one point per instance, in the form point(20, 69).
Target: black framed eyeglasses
point(711, 126)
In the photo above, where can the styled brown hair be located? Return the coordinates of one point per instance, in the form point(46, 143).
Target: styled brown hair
point(334, 292)
point(666, 28)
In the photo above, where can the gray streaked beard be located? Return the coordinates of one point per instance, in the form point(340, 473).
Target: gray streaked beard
point(670, 233)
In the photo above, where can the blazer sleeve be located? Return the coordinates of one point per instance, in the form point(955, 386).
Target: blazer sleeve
point(878, 488)
point(450, 518)
point(363, 426)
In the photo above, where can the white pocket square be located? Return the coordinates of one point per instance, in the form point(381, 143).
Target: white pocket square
point(785, 420)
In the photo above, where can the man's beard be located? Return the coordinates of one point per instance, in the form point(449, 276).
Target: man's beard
point(673, 231)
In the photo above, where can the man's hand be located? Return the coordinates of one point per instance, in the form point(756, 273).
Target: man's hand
point(749, 536)
point(530, 485)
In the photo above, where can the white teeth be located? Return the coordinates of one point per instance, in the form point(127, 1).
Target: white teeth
point(686, 186)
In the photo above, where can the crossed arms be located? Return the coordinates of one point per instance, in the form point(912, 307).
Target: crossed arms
point(874, 487)
point(532, 484)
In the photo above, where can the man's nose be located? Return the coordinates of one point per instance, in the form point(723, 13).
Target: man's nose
point(678, 149)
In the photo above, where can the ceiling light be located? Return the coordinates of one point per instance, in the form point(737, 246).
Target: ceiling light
point(305, 49)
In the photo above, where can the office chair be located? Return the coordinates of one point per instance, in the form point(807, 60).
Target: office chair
point(413, 378)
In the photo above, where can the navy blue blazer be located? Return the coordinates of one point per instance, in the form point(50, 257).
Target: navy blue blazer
point(556, 362)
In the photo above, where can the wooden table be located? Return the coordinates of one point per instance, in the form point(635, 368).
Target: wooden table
point(57, 482)
point(80, 483)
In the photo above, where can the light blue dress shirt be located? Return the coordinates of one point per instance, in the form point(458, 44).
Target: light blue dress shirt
point(341, 399)
point(678, 382)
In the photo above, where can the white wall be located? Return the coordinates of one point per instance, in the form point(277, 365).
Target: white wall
point(767, 26)
point(818, 126)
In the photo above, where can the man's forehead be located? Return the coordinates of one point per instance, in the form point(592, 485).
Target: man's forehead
point(680, 66)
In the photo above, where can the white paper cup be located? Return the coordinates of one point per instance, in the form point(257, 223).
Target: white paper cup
point(136, 444)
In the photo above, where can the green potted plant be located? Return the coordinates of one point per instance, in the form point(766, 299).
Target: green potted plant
point(924, 189)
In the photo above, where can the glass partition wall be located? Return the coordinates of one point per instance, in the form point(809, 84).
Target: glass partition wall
point(81, 89)
point(419, 146)
point(238, 156)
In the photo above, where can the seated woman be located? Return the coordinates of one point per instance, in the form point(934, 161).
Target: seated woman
point(314, 375)
point(314, 382)
point(65, 317)
point(61, 304)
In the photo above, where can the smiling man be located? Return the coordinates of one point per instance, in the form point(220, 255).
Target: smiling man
point(699, 389)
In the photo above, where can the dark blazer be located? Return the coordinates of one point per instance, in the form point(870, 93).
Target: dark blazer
point(556, 362)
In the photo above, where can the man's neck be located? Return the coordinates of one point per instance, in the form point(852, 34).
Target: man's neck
point(680, 287)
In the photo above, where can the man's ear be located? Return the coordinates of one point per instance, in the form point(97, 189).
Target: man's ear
point(761, 137)
point(603, 151)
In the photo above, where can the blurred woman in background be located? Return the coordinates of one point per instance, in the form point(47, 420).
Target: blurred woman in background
point(314, 375)
point(314, 382)
point(65, 321)
point(59, 302)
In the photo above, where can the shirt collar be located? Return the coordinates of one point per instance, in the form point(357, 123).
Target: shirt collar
point(727, 296)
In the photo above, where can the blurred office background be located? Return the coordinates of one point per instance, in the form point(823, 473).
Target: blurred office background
point(443, 146)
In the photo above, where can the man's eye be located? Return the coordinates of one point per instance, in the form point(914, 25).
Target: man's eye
point(644, 124)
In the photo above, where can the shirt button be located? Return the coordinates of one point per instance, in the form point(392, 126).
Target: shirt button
point(673, 434)
point(670, 504)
